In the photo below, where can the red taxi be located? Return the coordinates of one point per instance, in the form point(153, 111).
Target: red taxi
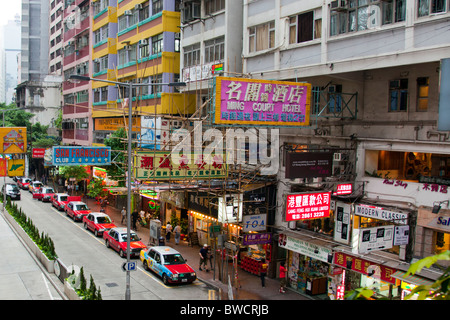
point(116, 238)
point(35, 186)
point(98, 222)
point(60, 200)
point(44, 194)
point(23, 183)
point(76, 210)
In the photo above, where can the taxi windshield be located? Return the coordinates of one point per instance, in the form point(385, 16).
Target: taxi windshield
point(63, 198)
point(81, 207)
point(133, 237)
point(103, 220)
point(49, 190)
point(170, 259)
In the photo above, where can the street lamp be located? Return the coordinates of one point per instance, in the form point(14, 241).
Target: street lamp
point(129, 172)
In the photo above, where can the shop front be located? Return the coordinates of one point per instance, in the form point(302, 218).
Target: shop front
point(202, 215)
point(308, 262)
point(351, 272)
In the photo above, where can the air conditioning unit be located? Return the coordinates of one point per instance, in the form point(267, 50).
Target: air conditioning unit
point(128, 13)
point(143, 42)
point(127, 47)
point(338, 5)
point(96, 60)
point(138, 6)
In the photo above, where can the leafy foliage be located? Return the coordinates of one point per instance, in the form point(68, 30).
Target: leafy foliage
point(96, 188)
point(77, 172)
point(117, 142)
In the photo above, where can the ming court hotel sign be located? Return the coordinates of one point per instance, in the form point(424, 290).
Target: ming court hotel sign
point(242, 101)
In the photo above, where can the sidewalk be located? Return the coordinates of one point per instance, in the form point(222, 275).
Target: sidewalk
point(250, 289)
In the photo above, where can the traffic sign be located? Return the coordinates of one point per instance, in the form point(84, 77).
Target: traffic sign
point(129, 266)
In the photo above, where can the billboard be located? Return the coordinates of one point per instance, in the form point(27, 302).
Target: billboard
point(306, 206)
point(158, 165)
point(240, 101)
point(16, 167)
point(86, 156)
point(308, 164)
point(38, 153)
point(13, 140)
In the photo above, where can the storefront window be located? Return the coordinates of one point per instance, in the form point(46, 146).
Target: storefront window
point(442, 242)
point(323, 225)
point(425, 167)
point(306, 274)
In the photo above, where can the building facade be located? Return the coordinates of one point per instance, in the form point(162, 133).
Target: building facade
point(77, 122)
point(376, 69)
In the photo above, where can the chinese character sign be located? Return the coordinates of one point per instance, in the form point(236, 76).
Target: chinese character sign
point(307, 206)
point(159, 165)
point(262, 102)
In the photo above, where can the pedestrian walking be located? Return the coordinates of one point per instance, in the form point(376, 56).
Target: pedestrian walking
point(168, 231)
point(124, 215)
point(134, 219)
point(203, 257)
point(282, 277)
point(177, 232)
point(262, 272)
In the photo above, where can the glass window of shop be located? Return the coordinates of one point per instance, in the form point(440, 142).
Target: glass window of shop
point(442, 241)
point(306, 274)
point(423, 167)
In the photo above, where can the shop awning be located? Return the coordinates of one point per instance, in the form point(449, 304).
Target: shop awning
point(412, 279)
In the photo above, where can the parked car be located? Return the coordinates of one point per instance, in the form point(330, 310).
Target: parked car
point(60, 200)
point(116, 238)
point(34, 186)
point(12, 191)
point(98, 222)
point(168, 264)
point(23, 183)
point(44, 194)
point(76, 210)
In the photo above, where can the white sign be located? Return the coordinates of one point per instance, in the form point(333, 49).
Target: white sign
point(441, 222)
point(256, 222)
point(401, 235)
point(230, 208)
point(342, 222)
point(305, 248)
point(381, 214)
point(376, 239)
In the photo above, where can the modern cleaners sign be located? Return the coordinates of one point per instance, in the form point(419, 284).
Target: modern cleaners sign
point(381, 214)
point(75, 156)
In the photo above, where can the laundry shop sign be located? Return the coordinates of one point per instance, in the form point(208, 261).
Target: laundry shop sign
point(381, 214)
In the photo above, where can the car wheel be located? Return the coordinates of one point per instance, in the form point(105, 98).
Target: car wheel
point(107, 243)
point(95, 232)
point(121, 253)
point(145, 265)
point(165, 279)
point(85, 226)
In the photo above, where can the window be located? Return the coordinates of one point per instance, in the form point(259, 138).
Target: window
point(357, 15)
point(100, 34)
point(190, 11)
point(398, 95)
point(335, 98)
point(215, 50)
point(157, 6)
point(177, 42)
point(262, 37)
point(427, 7)
point(156, 79)
point(192, 55)
point(422, 93)
point(144, 13)
point(99, 6)
point(101, 64)
point(303, 28)
point(128, 19)
point(157, 44)
point(213, 6)
point(127, 54)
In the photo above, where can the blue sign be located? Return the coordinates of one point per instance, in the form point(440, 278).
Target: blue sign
point(76, 156)
point(129, 266)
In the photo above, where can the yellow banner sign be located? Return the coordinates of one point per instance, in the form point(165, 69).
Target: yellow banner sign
point(13, 140)
point(113, 124)
point(16, 167)
point(158, 165)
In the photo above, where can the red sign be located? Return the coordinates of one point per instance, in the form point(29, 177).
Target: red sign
point(308, 206)
point(38, 153)
point(343, 189)
point(3, 168)
point(362, 266)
